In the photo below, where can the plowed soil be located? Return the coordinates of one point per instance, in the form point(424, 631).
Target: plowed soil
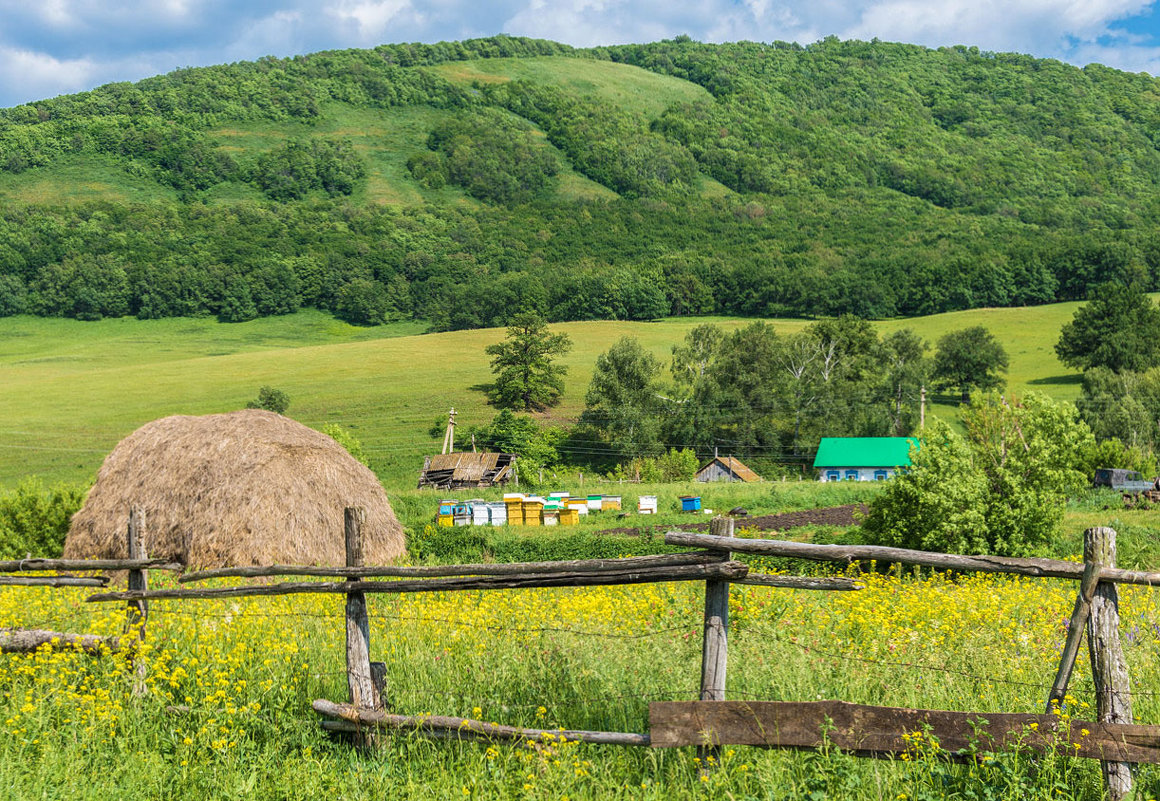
point(833, 516)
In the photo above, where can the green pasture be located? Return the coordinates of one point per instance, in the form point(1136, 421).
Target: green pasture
point(73, 389)
point(626, 87)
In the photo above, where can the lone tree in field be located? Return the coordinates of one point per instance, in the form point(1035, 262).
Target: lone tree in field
point(270, 399)
point(1119, 328)
point(526, 378)
point(970, 358)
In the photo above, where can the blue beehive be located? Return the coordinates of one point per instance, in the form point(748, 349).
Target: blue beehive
point(690, 503)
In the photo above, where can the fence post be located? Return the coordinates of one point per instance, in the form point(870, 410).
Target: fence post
point(715, 649)
point(1080, 614)
point(363, 693)
point(137, 614)
point(1109, 669)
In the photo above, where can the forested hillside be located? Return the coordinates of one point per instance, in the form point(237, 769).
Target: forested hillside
point(459, 183)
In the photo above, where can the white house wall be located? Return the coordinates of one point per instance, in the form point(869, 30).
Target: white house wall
point(855, 473)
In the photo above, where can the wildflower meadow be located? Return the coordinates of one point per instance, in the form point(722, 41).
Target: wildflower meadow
point(229, 683)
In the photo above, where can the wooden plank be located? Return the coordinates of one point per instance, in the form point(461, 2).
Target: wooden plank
point(846, 554)
point(22, 641)
point(470, 728)
point(878, 731)
point(800, 582)
point(430, 571)
point(52, 581)
point(1109, 669)
point(34, 565)
point(727, 570)
point(360, 680)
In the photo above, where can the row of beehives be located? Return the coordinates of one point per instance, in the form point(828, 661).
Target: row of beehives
point(518, 509)
point(558, 508)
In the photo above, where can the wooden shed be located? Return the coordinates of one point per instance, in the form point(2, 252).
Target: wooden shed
point(726, 468)
point(468, 469)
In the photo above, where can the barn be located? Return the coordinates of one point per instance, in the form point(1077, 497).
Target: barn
point(243, 488)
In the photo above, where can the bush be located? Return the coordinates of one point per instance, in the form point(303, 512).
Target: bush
point(1000, 490)
point(35, 521)
point(346, 438)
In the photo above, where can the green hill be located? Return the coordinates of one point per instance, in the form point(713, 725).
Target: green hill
point(74, 389)
point(459, 182)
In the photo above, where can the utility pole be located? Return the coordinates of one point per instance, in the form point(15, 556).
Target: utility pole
point(449, 435)
point(922, 407)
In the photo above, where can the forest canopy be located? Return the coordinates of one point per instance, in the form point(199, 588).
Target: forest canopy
point(853, 177)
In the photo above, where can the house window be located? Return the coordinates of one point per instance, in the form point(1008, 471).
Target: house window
point(833, 475)
point(851, 475)
point(881, 475)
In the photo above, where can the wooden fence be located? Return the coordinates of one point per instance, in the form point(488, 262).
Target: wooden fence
point(712, 721)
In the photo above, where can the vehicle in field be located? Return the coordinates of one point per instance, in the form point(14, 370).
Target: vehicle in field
point(1122, 480)
point(1131, 483)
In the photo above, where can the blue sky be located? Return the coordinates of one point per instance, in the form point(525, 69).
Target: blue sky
point(51, 47)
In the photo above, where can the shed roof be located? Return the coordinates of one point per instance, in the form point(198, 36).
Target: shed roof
point(864, 452)
point(734, 466)
point(466, 469)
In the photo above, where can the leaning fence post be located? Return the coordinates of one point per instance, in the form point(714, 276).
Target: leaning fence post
point(715, 649)
point(1080, 614)
point(138, 612)
point(1109, 669)
point(363, 693)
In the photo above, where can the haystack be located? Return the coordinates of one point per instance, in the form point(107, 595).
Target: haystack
point(243, 488)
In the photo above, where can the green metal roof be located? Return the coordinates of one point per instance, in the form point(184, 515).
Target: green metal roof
point(864, 452)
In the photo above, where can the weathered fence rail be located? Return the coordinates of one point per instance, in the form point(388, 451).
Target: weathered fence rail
point(848, 554)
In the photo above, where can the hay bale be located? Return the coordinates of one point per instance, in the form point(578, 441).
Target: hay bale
point(244, 488)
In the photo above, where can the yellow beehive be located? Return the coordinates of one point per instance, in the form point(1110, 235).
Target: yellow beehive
point(533, 511)
point(515, 516)
point(445, 520)
point(569, 517)
point(610, 503)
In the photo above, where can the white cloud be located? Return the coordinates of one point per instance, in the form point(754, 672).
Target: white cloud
point(371, 19)
point(55, 46)
point(27, 74)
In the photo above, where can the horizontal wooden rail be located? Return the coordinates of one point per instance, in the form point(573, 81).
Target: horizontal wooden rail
point(1035, 567)
point(53, 581)
point(879, 731)
point(728, 571)
point(357, 719)
point(22, 641)
point(30, 565)
point(800, 582)
point(429, 571)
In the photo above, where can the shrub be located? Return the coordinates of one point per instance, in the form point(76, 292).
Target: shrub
point(35, 520)
point(346, 438)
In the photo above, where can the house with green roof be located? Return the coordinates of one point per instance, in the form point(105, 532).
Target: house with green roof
point(862, 458)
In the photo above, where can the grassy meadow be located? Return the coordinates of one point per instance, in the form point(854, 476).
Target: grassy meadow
point(74, 389)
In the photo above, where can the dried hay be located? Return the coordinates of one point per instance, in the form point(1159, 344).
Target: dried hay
point(244, 488)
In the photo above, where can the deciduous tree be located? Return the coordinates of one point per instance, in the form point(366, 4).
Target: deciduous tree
point(970, 358)
point(1118, 328)
point(526, 376)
